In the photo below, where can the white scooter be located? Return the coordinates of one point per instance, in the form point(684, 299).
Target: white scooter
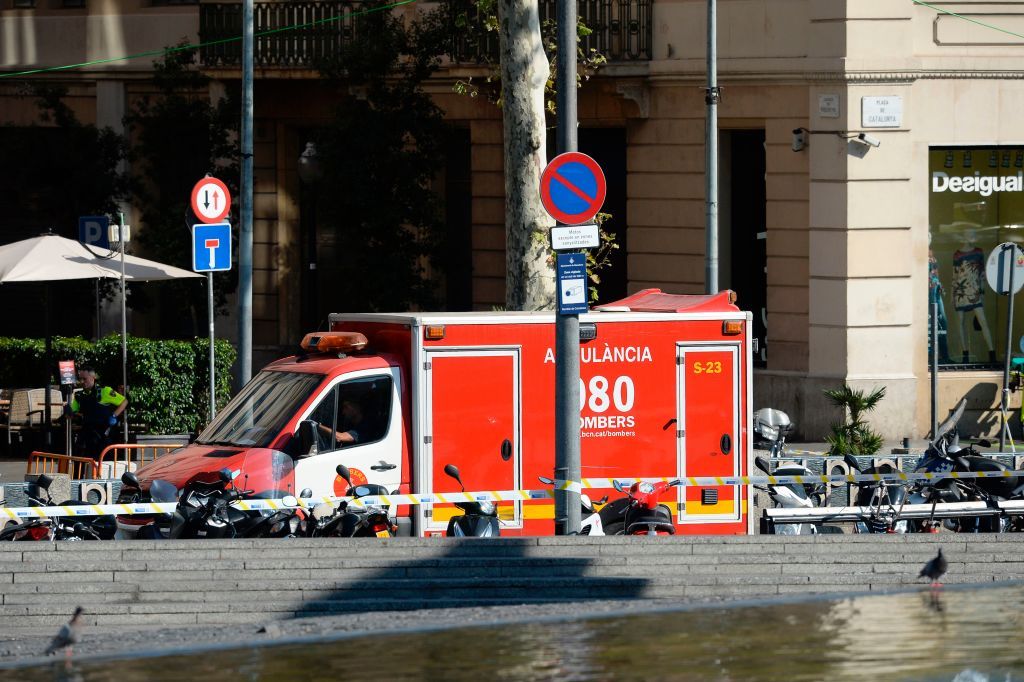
point(791, 496)
point(591, 520)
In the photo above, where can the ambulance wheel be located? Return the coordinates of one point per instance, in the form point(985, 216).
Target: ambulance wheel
point(617, 528)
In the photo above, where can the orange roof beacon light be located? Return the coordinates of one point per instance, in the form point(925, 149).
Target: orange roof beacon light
point(333, 342)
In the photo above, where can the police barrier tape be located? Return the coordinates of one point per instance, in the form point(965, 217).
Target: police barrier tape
point(132, 508)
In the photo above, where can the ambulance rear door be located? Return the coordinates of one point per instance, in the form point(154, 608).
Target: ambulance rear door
point(709, 412)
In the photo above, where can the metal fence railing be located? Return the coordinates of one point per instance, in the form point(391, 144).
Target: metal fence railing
point(622, 31)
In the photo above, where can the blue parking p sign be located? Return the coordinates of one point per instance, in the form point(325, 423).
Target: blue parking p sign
point(211, 247)
point(92, 230)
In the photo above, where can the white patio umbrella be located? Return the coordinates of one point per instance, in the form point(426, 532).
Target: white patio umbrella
point(50, 257)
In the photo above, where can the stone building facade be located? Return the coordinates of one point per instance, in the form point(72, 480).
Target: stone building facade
point(827, 245)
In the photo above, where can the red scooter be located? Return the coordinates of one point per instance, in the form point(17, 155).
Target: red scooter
point(643, 513)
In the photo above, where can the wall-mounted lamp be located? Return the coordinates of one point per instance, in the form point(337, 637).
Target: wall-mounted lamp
point(800, 137)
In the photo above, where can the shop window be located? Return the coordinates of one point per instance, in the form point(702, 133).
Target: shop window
point(976, 202)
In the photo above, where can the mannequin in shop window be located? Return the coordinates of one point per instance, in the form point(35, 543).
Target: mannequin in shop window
point(969, 292)
point(938, 306)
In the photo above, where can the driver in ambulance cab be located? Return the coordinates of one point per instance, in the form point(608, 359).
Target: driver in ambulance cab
point(350, 422)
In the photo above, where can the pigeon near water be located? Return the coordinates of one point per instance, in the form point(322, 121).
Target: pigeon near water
point(66, 636)
point(935, 569)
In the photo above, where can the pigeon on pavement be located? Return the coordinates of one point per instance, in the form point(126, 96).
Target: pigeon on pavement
point(66, 636)
point(935, 569)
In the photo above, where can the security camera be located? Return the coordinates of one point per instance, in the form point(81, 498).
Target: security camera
point(864, 138)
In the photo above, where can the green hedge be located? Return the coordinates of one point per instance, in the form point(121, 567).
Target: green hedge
point(167, 380)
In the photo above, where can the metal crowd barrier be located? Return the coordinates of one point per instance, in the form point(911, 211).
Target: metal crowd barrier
point(53, 463)
point(119, 458)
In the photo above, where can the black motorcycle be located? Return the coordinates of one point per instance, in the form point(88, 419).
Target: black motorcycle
point(945, 454)
point(86, 526)
point(158, 526)
point(353, 520)
point(206, 506)
point(478, 520)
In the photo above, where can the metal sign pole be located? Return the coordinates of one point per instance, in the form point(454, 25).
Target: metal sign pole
point(122, 237)
point(711, 98)
point(245, 233)
point(935, 368)
point(1011, 249)
point(567, 327)
point(209, 305)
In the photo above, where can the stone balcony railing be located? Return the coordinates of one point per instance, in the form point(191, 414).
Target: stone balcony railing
point(622, 32)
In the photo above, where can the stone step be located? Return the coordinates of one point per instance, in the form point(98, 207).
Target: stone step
point(138, 584)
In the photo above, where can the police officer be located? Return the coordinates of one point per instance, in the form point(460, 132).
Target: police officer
point(99, 407)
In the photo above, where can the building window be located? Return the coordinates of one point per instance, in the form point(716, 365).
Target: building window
point(24, 4)
point(976, 202)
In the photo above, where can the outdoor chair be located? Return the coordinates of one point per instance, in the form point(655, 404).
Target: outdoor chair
point(28, 409)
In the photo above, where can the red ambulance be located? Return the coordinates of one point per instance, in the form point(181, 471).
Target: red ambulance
point(665, 390)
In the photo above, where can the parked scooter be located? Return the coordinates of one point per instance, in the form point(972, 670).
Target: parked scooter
point(205, 504)
point(945, 454)
point(792, 495)
point(160, 491)
point(770, 430)
point(591, 522)
point(883, 499)
point(479, 519)
point(89, 527)
point(350, 520)
point(642, 512)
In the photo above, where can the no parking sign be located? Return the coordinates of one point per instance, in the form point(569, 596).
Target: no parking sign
point(572, 188)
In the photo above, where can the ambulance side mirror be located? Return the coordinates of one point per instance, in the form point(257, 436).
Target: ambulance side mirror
point(308, 442)
point(762, 464)
point(343, 472)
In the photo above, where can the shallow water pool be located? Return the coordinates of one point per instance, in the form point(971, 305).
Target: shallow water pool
point(965, 634)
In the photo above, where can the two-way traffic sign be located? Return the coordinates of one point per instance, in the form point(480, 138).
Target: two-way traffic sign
point(211, 200)
point(211, 247)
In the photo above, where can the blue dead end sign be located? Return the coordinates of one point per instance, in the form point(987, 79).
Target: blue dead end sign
point(211, 247)
point(572, 188)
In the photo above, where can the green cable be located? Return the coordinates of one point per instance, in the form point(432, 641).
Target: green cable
point(960, 16)
point(180, 48)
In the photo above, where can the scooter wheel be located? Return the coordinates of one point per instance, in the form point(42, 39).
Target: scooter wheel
point(617, 528)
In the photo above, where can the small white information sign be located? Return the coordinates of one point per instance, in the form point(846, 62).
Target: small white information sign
point(828, 106)
point(568, 237)
point(881, 112)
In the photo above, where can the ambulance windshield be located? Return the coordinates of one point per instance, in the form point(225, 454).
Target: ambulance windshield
point(256, 415)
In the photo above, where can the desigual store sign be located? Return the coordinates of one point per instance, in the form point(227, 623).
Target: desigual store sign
point(976, 202)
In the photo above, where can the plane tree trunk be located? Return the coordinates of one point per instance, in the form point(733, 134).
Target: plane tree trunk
point(529, 277)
